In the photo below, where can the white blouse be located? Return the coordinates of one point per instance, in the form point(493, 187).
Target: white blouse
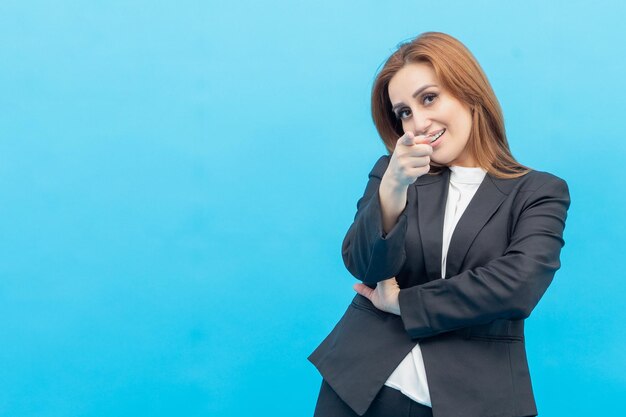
point(410, 376)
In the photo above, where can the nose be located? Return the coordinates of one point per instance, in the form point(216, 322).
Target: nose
point(421, 123)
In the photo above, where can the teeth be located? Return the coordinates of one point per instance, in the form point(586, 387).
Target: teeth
point(438, 136)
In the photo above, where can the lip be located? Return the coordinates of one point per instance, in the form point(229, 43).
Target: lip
point(436, 143)
point(435, 133)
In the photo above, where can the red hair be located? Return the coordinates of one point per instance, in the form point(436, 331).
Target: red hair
point(461, 75)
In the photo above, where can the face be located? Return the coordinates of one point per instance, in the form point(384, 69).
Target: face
point(424, 107)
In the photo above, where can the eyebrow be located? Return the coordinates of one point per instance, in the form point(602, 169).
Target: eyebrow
point(419, 90)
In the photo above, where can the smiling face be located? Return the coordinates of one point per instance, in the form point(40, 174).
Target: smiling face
point(425, 107)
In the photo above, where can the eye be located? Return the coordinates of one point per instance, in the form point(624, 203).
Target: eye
point(429, 98)
point(400, 113)
point(404, 112)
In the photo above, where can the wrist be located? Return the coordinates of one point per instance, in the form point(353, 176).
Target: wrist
point(392, 185)
point(394, 308)
point(394, 301)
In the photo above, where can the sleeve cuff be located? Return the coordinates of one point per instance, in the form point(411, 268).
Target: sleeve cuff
point(413, 313)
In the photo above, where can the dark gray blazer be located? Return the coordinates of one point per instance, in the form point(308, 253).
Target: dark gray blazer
point(502, 257)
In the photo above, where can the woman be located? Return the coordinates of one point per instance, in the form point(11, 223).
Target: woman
point(454, 241)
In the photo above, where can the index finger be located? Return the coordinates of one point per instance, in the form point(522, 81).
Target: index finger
point(406, 139)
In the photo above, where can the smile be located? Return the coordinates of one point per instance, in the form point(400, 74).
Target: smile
point(438, 135)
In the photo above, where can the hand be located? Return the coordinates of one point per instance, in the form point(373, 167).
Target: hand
point(384, 296)
point(410, 159)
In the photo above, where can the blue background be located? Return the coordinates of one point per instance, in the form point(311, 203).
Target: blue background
point(176, 179)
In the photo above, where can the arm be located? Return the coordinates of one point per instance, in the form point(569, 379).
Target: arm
point(508, 287)
point(369, 253)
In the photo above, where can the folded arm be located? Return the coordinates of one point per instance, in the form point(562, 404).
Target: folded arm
point(507, 287)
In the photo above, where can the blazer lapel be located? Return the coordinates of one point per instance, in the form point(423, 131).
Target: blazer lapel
point(432, 191)
point(482, 206)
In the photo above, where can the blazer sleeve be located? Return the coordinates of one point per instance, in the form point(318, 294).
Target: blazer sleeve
point(507, 287)
point(368, 253)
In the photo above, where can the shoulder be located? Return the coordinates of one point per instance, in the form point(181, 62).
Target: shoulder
point(539, 187)
point(533, 182)
point(380, 166)
point(541, 180)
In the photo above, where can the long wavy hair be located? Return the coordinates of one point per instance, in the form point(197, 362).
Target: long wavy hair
point(460, 74)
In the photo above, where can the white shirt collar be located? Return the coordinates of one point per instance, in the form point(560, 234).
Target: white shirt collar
point(467, 175)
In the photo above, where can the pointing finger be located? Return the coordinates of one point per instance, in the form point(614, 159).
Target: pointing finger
point(407, 139)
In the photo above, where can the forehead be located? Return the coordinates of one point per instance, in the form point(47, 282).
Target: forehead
point(409, 78)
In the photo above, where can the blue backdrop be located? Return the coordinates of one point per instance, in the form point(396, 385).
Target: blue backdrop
point(176, 179)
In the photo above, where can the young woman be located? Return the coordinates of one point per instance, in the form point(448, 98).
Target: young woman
point(455, 243)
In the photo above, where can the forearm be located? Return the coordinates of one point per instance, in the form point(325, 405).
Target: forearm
point(393, 200)
point(507, 288)
point(371, 252)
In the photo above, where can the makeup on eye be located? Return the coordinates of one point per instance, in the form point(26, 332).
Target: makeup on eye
point(400, 111)
point(432, 96)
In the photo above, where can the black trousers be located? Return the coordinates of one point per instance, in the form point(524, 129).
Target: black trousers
point(389, 402)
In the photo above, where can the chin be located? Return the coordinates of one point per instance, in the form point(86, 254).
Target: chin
point(440, 162)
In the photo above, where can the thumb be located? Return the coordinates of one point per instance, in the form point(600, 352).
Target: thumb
point(421, 139)
point(363, 289)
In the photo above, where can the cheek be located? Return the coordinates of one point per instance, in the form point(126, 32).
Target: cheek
point(463, 123)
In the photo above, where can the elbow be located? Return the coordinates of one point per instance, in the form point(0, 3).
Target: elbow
point(358, 262)
point(352, 263)
point(373, 260)
point(520, 313)
point(367, 272)
point(523, 304)
point(526, 293)
point(364, 275)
